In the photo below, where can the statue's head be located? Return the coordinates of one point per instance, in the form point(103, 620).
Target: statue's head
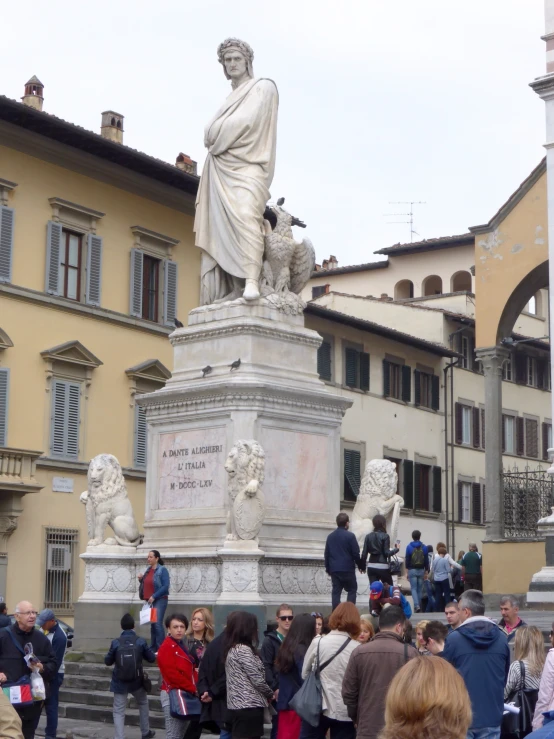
point(104, 474)
point(245, 462)
point(380, 478)
point(236, 56)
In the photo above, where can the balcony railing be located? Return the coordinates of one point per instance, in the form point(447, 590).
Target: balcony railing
point(17, 469)
point(528, 496)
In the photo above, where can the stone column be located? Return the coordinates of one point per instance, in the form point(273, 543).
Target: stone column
point(544, 87)
point(8, 525)
point(492, 359)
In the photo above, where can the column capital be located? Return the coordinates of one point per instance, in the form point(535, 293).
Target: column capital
point(493, 352)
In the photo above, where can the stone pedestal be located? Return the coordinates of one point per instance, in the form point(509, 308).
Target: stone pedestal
point(541, 588)
point(273, 395)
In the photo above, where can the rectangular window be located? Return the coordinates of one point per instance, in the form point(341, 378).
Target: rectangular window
point(325, 360)
point(395, 381)
point(531, 371)
point(508, 434)
point(531, 437)
point(427, 488)
point(65, 419)
point(61, 547)
point(424, 486)
point(465, 349)
point(356, 368)
point(319, 290)
point(69, 278)
point(466, 424)
point(466, 502)
point(507, 370)
point(426, 390)
point(352, 474)
point(150, 287)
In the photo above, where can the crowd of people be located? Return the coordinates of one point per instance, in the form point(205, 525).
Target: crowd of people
point(376, 676)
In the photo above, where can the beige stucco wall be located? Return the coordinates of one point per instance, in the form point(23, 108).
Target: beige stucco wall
point(509, 566)
point(416, 267)
point(107, 412)
point(505, 255)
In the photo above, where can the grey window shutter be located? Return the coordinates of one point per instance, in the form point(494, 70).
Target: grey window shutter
point(352, 477)
point(476, 507)
point(417, 388)
point(94, 269)
point(458, 422)
point(386, 378)
point(476, 427)
point(437, 489)
point(139, 455)
point(4, 396)
point(406, 384)
point(170, 292)
point(137, 259)
point(324, 361)
point(435, 392)
point(53, 257)
point(66, 401)
point(484, 502)
point(408, 470)
point(351, 362)
point(417, 485)
point(7, 216)
point(545, 430)
point(364, 371)
point(460, 500)
point(482, 428)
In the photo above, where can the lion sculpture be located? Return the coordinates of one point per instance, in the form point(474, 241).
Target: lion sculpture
point(245, 467)
point(107, 504)
point(377, 496)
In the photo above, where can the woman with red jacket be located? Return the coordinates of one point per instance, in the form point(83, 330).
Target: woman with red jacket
point(177, 668)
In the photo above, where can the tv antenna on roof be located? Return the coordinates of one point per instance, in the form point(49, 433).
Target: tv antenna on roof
point(410, 214)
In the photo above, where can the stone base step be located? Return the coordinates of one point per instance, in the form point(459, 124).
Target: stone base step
point(90, 697)
point(93, 669)
point(103, 714)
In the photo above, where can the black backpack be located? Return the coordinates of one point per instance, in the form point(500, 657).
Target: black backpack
point(128, 660)
point(417, 561)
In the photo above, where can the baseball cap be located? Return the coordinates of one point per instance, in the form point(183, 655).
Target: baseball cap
point(376, 590)
point(46, 615)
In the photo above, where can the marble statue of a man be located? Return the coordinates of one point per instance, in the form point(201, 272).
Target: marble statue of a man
point(234, 188)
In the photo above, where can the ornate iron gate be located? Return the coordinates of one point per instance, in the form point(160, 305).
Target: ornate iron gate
point(528, 496)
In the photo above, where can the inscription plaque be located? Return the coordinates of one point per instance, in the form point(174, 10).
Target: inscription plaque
point(191, 471)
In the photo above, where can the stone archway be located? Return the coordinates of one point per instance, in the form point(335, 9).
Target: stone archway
point(529, 286)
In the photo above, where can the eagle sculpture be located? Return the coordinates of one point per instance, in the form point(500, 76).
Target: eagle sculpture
point(287, 264)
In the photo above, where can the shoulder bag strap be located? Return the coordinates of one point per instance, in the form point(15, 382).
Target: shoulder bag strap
point(405, 652)
point(15, 642)
point(522, 671)
point(344, 645)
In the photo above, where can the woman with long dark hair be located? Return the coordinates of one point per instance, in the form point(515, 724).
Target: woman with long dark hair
point(177, 668)
point(289, 668)
point(154, 589)
point(248, 694)
point(377, 546)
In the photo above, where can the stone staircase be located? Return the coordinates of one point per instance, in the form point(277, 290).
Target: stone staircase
point(85, 692)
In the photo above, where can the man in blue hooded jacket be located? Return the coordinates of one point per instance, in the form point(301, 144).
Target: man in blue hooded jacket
point(479, 651)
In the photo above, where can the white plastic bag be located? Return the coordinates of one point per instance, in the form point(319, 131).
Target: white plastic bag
point(145, 615)
point(38, 690)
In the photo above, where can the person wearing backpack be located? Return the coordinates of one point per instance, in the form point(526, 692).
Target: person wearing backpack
point(381, 595)
point(417, 565)
point(126, 654)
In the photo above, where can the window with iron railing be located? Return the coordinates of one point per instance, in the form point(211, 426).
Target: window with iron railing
point(61, 549)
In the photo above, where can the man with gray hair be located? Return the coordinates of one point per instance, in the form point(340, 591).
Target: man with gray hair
point(510, 621)
point(479, 651)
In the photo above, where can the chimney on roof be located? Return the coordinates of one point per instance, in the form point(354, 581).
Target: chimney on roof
point(185, 163)
point(331, 263)
point(385, 298)
point(34, 93)
point(112, 126)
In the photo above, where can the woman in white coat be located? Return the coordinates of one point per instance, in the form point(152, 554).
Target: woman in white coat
point(334, 648)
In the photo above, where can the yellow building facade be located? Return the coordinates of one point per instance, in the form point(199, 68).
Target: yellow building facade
point(97, 261)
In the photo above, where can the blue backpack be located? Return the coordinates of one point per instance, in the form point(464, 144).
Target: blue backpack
point(406, 607)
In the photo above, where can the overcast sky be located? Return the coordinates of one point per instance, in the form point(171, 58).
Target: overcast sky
point(380, 100)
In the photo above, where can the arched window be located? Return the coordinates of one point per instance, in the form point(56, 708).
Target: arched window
point(113, 122)
point(404, 290)
point(532, 305)
point(119, 124)
point(432, 285)
point(461, 282)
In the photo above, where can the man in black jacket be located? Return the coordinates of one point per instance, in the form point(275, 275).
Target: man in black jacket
point(13, 666)
point(342, 556)
point(212, 685)
point(270, 647)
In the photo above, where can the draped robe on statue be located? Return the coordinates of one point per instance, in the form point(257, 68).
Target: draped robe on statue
point(234, 187)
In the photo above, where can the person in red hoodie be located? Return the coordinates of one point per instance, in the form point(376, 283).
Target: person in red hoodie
point(177, 668)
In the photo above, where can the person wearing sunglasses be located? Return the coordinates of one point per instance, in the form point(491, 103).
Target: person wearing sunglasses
point(270, 648)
